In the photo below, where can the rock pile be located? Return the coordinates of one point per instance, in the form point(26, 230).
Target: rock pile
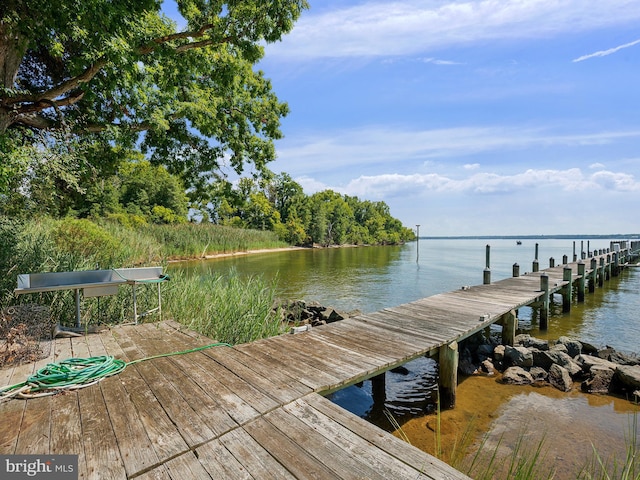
point(562, 364)
point(300, 312)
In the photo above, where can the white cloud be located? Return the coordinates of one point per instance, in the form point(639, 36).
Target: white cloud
point(523, 183)
point(593, 166)
point(378, 145)
point(406, 27)
point(604, 53)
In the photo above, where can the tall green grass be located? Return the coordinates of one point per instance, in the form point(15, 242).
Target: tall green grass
point(231, 309)
point(226, 308)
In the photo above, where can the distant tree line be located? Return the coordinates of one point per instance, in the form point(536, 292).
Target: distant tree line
point(134, 192)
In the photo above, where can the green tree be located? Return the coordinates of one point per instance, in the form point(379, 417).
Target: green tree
point(152, 192)
point(122, 72)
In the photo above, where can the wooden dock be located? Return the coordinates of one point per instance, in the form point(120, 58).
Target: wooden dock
point(256, 410)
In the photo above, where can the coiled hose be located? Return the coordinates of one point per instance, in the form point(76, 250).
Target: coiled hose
point(74, 373)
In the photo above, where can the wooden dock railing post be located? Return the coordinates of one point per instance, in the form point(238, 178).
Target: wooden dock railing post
point(448, 374)
point(568, 289)
point(592, 276)
point(535, 267)
point(601, 276)
point(552, 262)
point(544, 310)
point(581, 282)
point(516, 270)
point(486, 277)
point(615, 271)
point(575, 257)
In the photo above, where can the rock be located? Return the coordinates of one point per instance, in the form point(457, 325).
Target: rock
point(517, 376)
point(559, 347)
point(539, 374)
point(559, 377)
point(556, 356)
point(588, 348)
point(484, 351)
point(467, 368)
point(487, 367)
point(599, 380)
point(628, 376)
point(330, 315)
point(528, 341)
point(519, 356)
point(498, 353)
point(589, 361)
point(574, 347)
point(622, 359)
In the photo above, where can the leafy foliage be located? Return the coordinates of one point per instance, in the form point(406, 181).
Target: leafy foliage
point(325, 218)
point(119, 72)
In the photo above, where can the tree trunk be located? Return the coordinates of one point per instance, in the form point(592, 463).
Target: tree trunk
point(12, 50)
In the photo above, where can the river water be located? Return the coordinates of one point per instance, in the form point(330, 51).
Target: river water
point(372, 278)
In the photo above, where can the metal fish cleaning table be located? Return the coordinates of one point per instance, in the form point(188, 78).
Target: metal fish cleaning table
point(93, 283)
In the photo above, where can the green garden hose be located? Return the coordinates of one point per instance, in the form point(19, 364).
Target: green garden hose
point(74, 373)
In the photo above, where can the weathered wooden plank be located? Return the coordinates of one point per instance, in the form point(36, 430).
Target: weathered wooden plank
point(187, 466)
point(165, 438)
point(295, 363)
point(135, 447)
point(381, 340)
point(253, 457)
point(185, 416)
point(336, 458)
point(102, 455)
point(385, 465)
point(288, 453)
point(158, 473)
point(271, 387)
point(220, 462)
point(404, 452)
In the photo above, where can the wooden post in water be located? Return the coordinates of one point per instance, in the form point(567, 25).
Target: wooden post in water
point(582, 255)
point(448, 374)
point(509, 327)
point(565, 260)
point(601, 276)
point(592, 276)
point(486, 278)
point(575, 257)
point(379, 392)
point(552, 262)
point(536, 266)
point(568, 289)
point(544, 308)
point(608, 267)
point(581, 283)
point(516, 270)
point(616, 265)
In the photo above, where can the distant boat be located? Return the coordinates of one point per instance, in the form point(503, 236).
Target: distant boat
point(518, 242)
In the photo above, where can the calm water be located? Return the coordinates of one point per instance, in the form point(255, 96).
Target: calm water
point(372, 278)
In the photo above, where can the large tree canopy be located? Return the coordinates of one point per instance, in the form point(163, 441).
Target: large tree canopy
point(120, 72)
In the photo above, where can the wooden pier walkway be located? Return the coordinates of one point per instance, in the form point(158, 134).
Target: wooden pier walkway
point(256, 410)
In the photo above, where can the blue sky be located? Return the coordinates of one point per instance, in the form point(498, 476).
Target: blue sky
point(474, 117)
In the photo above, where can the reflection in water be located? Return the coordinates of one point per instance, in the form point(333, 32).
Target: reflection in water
point(405, 392)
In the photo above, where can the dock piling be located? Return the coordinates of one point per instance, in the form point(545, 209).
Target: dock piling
point(448, 374)
point(544, 308)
